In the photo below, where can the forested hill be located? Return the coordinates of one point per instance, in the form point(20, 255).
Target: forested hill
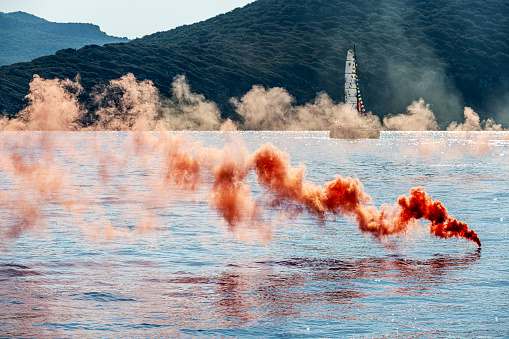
point(450, 53)
point(24, 37)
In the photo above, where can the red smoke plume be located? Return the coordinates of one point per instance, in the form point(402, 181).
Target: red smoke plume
point(419, 205)
point(345, 196)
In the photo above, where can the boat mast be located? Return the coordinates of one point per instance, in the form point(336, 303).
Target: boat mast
point(360, 105)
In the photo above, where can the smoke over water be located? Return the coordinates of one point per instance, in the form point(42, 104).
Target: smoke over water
point(419, 117)
point(53, 106)
point(346, 197)
point(127, 104)
point(38, 178)
point(274, 110)
point(39, 173)
point(473, 123)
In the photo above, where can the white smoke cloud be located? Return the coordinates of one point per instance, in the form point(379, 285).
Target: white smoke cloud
point(419, 117)
point(473, 123)
point(189, 111)
point(127, 104)
point(274, 109)
point(265, 109)
point(53, 106)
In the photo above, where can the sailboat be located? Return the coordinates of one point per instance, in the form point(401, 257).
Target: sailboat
point(353, 102)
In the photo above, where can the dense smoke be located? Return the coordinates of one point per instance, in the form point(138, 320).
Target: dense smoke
point(127, 104)
point(189, 111)
point(265, 109)
point(419, 117)
point(346, 197)
point(37, 179)
point(52, 106)
point(274, 109)
point(473, 123)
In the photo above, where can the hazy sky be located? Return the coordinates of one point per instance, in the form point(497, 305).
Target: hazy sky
point(130, 18)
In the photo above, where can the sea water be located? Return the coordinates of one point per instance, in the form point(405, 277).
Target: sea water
point(194, 276)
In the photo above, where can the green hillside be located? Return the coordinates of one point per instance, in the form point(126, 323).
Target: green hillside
point(24, 37)
point(450, 53)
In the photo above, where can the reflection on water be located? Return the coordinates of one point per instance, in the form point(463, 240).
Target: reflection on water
point(242, 295)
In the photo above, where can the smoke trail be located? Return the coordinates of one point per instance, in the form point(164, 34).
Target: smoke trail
point(179, 165)
point(28, 164)
point(419, 205)
point(231, 196)
point(38, 180)
point(345, 196)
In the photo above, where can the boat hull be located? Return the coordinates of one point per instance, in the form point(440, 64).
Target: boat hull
point(348, 131)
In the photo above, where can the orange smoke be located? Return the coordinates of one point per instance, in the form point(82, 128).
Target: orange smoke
point(231, 196)
point(345, 196)
point(27, 165)
point(171, 161)
point(35, 179)
point(419, 205)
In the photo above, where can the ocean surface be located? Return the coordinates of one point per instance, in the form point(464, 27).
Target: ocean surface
point(94, 245)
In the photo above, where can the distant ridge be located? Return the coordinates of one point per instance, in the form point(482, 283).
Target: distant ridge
point(450, 53)
point(26, 17)
point(24, 37)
